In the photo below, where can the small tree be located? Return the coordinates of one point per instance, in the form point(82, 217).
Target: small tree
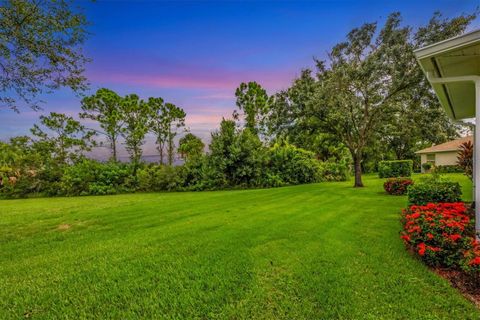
point(63, 137)
point(104, 107)
point(190, 146)
point(40, 50)
point(465, 158)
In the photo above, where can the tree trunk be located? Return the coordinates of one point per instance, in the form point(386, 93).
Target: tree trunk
point(357, 159)
point(114, 149)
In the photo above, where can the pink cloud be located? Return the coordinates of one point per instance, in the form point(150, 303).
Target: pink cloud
point(205, 79)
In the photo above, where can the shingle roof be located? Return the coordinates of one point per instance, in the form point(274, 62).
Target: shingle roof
point(453, 145)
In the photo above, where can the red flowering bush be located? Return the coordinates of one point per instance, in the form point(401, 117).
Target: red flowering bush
point(397, 186)
point(440, 233)
point(471, 258)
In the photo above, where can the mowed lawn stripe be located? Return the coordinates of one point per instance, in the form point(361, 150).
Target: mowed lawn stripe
point(314, 251)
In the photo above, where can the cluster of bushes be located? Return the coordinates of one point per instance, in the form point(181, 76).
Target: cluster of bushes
point(237, 159)
point(442, 234)
point(434, 190)
point(397, 186)
point(393, 169)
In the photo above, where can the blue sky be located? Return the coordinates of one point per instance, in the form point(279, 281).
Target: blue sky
point(195, 54)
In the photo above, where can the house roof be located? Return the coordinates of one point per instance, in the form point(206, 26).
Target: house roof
point(453, 145)
point(445, 63)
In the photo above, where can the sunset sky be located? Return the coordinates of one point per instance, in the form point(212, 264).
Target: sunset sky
point(195, 54)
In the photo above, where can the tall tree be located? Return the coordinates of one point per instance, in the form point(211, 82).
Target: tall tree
point(175, 119)
point(158, 124)
point(190, 146)
point(40, 50)
point(135, 115)
point(64, 137)
point(368, 79)
point(104, 107)
point(252, 99)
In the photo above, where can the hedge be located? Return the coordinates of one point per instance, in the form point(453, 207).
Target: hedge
point(434, 192)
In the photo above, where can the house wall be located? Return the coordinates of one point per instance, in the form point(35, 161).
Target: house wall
point(442, 158)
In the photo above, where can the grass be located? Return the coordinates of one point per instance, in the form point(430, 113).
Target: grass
point(323, 251)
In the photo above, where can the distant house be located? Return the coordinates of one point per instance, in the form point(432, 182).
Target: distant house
point(444, 154)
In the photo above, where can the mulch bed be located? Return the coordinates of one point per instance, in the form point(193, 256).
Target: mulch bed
point(469, 286)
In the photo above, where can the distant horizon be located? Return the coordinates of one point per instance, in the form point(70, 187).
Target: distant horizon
point(194, 54)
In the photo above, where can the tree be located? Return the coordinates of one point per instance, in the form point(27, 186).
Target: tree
point(40, 50)
point(288, 119)
point(64, 138)
point(135, 115)
point(252, 99)
point(367, 80)
point(175, 119)
point(158, 124)
point(104, 107)
point(190, 146)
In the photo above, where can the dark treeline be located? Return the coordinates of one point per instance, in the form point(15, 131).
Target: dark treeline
point(369, 101)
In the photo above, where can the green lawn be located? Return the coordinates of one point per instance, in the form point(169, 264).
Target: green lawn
point(321, 251)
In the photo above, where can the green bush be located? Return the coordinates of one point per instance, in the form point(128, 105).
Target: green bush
point(426, 166)
point(395, 169)
point(160, 178)
point(434, 191)
point(449, 169)
point(291, 165)
point(90, 177)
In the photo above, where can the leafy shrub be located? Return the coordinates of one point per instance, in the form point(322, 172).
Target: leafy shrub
point(471, 258)
point(448, 169)
point(426, 166)
point(397, 186)
point(288, 164)
point(434, 190)
point(334, 170)
point(439, 233)
point(90, 177)
point(394, 169)
point(160, 178)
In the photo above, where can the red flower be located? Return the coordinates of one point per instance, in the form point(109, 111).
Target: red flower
point(406, 237)
point(421, 249)
point(430, 236)
point(455, 237)
point(474, 262)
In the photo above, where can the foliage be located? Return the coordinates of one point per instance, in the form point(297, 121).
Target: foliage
point(161, 178)
point(396, 168)
point(40, 50)
point(471, 258)
point(135, 115)
point(465, 158)
point(371, 96)
point(253, 100)
point(63, 137)
point(397, 186)
point(434, 190)
point(427, 166)
point(90, 177)
point(448, 169)
point(104, 107)
point(165, 120)
point(292, 165)
point(190, 146)
point(438, 233)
